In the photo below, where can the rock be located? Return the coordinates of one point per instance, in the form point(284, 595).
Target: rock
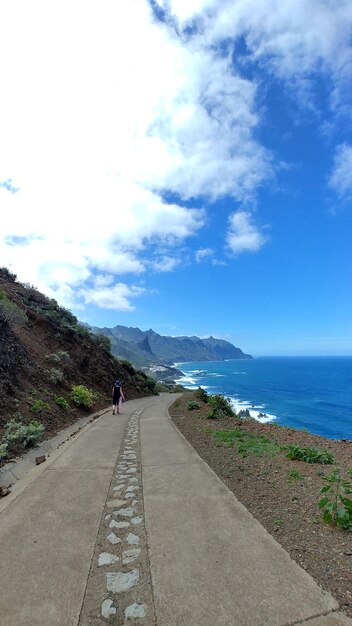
point(4, 491)
point(40, 459)
point(244, 413)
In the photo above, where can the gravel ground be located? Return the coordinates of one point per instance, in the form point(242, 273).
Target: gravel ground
point(282, 494)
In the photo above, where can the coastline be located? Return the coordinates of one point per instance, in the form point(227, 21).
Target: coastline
point(304, 393)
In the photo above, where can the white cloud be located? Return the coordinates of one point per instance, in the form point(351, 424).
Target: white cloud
point(117, 297)
point(94, 131)
point(203, 254)
point(292, 40)
point(165, 264)
point(243, 235)
point(341, 177)
point(104, 109)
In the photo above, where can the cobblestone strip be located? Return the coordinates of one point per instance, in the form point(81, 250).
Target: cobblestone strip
point(119, 587)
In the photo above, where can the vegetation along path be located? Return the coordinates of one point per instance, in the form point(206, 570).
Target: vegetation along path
point(126, 524)
point(282, 493)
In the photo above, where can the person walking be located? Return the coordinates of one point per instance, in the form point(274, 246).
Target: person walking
point(117, 395)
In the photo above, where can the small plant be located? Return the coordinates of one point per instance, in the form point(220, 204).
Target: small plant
point(39, 406)
point(220, 403)
point(61, 357)
point(23, 434)
point(294, 475)
point(11, 313)
point(55, 375)
point(82, 396)
point(201, 394)
point(3, 451)
point(310, 455)
point(335, 505)
point(192, 405)
point(61, 402)
point(177, 403)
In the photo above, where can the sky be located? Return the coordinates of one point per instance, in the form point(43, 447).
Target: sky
point(183, 165)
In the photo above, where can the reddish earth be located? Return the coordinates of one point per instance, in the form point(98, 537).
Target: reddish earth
point(282, 494)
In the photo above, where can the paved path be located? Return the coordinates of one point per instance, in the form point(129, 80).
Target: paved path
point(125, 524)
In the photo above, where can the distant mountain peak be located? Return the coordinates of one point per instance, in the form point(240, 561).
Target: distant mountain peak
point(145, 347)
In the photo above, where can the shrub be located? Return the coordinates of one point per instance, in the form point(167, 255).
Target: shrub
point(128, 366)
point(335, 505)
point(61, 357)
point(161, 387)
point(294, 475)
point(3, 451)
point(219, 403)
point(11, 313)
point(24, 434)
point(5, 273)
point(55, 375)
point(61, 402)
point(177, 388)
point(215, 413)
point(82, 396)
point(192, 405)
point(201, 394)
point(310, 455)
point(39, 406)
point(103, 342)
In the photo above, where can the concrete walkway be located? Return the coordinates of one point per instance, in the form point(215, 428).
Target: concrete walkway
point(124, 523)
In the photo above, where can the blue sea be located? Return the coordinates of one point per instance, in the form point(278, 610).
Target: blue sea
point(314, 393)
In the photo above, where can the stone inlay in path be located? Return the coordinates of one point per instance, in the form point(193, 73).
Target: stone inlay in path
point(119, 587)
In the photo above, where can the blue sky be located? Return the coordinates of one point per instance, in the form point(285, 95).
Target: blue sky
point(183, 165)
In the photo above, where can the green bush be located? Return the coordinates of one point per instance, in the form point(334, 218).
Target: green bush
point(201, 394)
point(3, 451)
point(61, 402)
point(310, 455)
point(219, 403)
point(103, 342)
point(82, 396)
point(11, 313)
point(61, 357)
point(24, 434)
point(215, 414)
point(55, 375)
point(128, 366)
point(192, 405)
point(39, 406)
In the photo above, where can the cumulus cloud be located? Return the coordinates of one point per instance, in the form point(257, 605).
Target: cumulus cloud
point(203, 254)
point(291, 41)
point(341, 176)
point(96, 132)
point(117, 297)
point(107, 111)
point(243, 235)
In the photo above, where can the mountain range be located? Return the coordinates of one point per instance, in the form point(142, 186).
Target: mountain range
point(144, 348)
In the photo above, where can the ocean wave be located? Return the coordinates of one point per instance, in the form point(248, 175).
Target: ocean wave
point(243, 405)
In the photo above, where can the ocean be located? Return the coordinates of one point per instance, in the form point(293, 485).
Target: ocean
point(314, 393)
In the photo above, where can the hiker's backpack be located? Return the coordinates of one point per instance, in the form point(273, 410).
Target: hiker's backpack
point(117, 384)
